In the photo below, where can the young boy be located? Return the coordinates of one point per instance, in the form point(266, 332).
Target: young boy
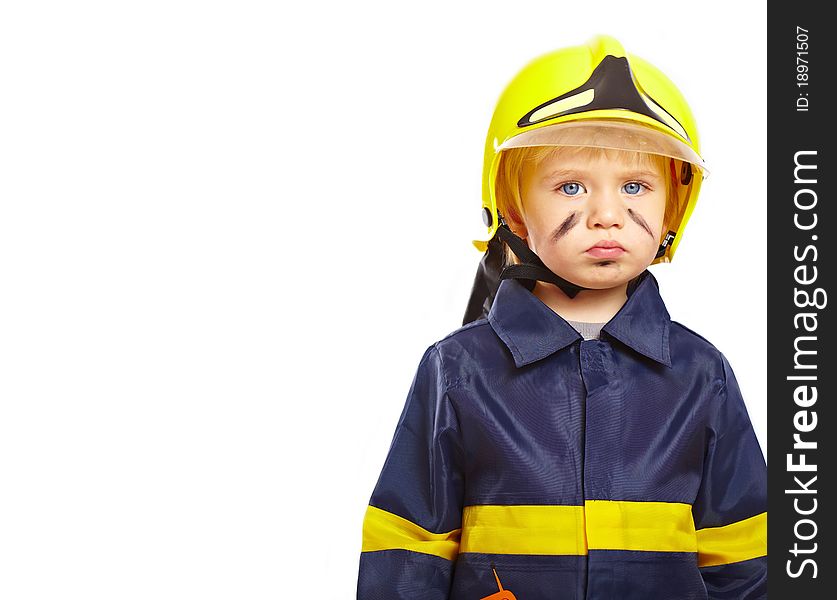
point(571, 441)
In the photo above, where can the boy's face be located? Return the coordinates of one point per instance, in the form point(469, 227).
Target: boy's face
point(574, 201)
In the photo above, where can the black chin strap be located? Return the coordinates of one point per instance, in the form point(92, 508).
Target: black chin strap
point(531, 267)
point(491, 271)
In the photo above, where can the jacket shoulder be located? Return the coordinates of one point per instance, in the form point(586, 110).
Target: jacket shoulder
point(472, 347)
point(688, 343)
point(690, 336)
point(462, 332)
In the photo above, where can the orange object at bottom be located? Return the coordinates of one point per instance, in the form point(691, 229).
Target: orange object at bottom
point(502, 594)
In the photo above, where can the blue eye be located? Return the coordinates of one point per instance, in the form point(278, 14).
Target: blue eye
point(571, 189)
point(633, 187)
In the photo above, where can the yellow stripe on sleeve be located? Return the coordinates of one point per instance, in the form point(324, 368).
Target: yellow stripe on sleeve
point(738, 541)
point(383, 530)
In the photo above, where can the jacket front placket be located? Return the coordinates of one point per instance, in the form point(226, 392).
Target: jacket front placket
point(603, 416)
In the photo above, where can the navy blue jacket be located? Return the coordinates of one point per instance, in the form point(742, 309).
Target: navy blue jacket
point(529, 463)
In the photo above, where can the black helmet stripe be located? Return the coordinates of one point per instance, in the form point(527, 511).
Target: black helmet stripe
point(613, 87)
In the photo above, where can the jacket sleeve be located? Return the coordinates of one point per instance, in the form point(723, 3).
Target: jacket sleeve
point(412, 525)
point(730, 511)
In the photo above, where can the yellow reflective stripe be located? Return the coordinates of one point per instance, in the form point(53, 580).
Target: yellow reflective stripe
point(738, 541)
point(649, 526)
point(523, 529)
point(384, 530)
point(572, 530)
point(598, 525)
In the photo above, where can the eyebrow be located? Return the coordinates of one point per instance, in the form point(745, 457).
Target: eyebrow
point(576, 173)
point(559, 174)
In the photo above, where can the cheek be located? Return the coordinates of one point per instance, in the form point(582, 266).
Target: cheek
point(554, 216)
point(544, 217)
point(660, 208)
point(561, 221)
point(654, 213)
point(658, 218)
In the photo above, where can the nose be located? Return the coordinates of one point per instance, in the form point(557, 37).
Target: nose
point(606, 209)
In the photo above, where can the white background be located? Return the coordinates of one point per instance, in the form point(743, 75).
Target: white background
point(228, 233)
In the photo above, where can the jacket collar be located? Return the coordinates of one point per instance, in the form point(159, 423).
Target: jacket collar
point(532, 330)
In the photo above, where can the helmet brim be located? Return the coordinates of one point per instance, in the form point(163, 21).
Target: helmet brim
point(611, 134)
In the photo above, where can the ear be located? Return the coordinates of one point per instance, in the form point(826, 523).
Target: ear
point(516, 223)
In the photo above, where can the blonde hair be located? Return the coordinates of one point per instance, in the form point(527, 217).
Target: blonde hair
point(513, 161)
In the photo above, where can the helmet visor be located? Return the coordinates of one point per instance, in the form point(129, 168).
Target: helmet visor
point(612, 134)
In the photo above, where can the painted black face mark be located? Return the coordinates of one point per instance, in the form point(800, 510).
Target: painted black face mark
point(640, 221)
point(568, 224)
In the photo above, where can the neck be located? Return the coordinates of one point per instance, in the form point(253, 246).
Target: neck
point(591, 306)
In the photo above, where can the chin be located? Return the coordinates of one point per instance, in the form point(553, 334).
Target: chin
point(603, 275)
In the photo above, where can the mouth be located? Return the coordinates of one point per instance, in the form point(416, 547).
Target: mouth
point(606, 249)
